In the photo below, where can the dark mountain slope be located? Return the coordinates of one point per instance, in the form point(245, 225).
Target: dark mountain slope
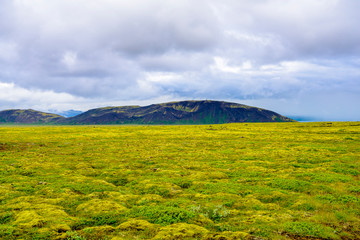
point(184, 112)
point(28, 116)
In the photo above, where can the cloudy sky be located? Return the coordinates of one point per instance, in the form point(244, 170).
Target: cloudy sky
point(298, 58)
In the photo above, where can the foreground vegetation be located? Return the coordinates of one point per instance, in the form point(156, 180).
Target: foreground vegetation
point(231, 181)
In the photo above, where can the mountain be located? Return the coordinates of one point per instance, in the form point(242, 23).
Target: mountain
point(68, 113)
point(28, 116)
point(306, 119)
point(184, 112)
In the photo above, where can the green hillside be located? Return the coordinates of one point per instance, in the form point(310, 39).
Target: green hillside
point(184, 112)
point(28, 116)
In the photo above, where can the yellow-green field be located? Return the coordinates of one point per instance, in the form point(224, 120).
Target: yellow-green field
point(232, 181)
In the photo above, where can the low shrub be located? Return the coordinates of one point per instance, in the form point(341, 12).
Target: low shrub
point(215, 213)
point(6, 217)
point(184, 184)
point(290, 184)
point(118, 181)
point(309, 229)
point(163, 215)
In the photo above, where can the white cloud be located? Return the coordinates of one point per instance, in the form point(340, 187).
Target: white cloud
point(162, 77)
point(69, 59)
point(251, 38)
point(15, 96)
point(8, 51)
point(293, 67)
point(221, 64)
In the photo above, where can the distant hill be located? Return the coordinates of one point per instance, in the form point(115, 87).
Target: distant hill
point(306, 119)
point(68, 113)
point(184, 112)
point(28, 116)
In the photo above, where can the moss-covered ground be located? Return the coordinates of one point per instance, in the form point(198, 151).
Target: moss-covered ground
point(231, 181)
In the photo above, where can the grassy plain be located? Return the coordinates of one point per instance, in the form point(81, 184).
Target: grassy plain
point(231, 181)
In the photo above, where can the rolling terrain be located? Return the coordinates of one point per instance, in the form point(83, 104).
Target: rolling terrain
point(184, 112)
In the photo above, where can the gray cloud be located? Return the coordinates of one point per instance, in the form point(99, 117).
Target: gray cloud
point(141, 51)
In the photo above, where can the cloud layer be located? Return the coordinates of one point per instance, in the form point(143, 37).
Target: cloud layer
point(88, 53)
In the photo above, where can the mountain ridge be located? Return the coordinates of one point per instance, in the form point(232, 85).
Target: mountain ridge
point(180, 112)
point(28, 116)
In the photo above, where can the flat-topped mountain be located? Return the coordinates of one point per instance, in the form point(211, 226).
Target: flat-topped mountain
point(28, 116)
point(183, 112)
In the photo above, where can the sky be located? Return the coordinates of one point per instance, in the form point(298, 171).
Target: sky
point(297, 58)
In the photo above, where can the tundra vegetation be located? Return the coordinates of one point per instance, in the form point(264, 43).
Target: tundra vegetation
point(228, 181)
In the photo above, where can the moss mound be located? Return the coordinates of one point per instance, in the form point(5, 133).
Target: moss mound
point(98, 232)
point(180, 231)
point(97, 206)
point(228, 236)
point(29, 219)
point(137, 225)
